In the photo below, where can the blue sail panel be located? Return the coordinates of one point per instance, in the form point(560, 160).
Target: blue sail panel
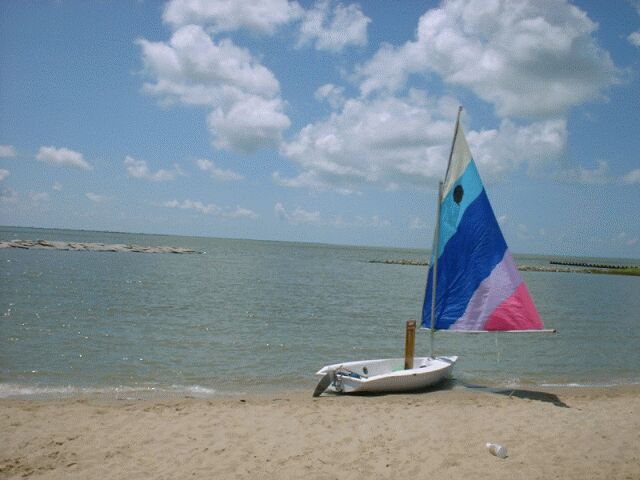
point(468, 258)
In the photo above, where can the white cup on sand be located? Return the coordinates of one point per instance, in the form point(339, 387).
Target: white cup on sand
point(497, 450)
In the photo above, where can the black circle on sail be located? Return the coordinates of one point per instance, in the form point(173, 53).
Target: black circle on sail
point(458, 193)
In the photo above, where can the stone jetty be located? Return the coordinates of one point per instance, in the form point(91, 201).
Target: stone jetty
point(592, 265)
point(418, 263)
point(93, 247)
point(553, 266)
point(523, 268)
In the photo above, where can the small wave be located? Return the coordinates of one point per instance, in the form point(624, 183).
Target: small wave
point(197, 390)
point(620, 383)
point(10, 390)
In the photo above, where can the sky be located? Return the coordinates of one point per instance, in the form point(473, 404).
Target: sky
point(322, 121)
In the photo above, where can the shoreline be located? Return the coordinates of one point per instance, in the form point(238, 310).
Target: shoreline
point(539, 393)
point(16, 392)
point(549, 433)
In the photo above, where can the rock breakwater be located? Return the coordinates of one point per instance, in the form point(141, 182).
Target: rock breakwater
point(555, 267)
point(92, 247)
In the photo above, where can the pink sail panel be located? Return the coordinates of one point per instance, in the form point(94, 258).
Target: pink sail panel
point(493, 290)
point(516, 313)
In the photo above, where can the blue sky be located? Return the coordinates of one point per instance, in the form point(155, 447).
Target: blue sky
point(322, 121)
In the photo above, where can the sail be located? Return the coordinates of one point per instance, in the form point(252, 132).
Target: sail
point(478, 284)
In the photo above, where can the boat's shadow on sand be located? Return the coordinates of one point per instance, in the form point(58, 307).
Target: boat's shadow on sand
point(518, 393)
point(451, 384)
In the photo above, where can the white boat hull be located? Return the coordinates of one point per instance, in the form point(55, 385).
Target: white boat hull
point(387, 375)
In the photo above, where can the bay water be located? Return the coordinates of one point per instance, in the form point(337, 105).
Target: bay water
point(257, 316)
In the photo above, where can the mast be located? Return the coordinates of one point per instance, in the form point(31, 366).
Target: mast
point(436, 240)
point(434, 274)
point(453, 142)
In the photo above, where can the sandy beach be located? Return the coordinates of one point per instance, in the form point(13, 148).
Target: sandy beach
point(555, 433)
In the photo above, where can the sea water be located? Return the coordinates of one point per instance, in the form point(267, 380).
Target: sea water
point(260, 316)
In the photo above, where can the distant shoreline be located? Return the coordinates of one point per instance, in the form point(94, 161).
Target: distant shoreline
point(15, 228)
point(553, 267)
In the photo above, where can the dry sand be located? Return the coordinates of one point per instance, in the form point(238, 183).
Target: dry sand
point(572, 433)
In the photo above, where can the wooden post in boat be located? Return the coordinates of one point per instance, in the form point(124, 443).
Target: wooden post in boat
point(409, 344)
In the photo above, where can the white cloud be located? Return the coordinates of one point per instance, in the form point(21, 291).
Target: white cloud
point(503, 150)
point(7, 151)
point(332, 94)
point(139, 169)
point(390, 141)
point(523, 233)
point(250, 123)
point(632, 177)
point(240, 212)
point(218, 173)
point(3, 174)
point(372, 141)
point(624, 239)
point(327, 26)
point(333, 29)
point(39, 197)
point(309, 180)
point(195, 70)
point(298, 216)
point(62, 157)
point(598, 175)
point(8, 196)
point(595, 176)
point(634, 38)
point(417, 223)
point(96, 198)
point(526, 58)
point(57, 186)
point(243, 95)
point(211, 209)
point(373, 221)
point(260, 16)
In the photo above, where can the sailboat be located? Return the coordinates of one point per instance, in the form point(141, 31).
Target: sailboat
point(473, 285)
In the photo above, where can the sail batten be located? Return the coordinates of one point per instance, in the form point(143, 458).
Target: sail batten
point(478, 285)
